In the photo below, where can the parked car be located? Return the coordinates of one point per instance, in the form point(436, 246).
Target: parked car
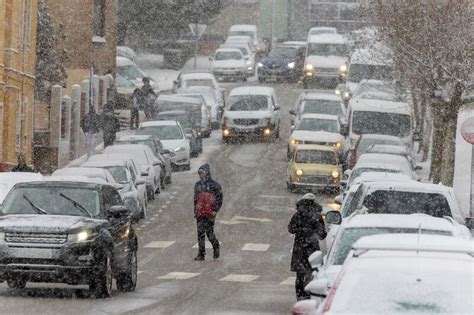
point(147, 162)
point(251, 111)
point(211, 97)
point(172, 137)
point(313, 167)
point(399, 150)
point(326, 58)
point(366, 141)
point(246, 52)
point(9, 179)
point(434, 270)
point(164, 156)
point(317, 102)
point(188, 79)
point(124, 173)
point(380, 90)
point(246, 30)
point(127, 52)
point(127, 69)
point(321, 30)
point(317, 129)
point(283, 62)
point(229, 64)
point(71, 232)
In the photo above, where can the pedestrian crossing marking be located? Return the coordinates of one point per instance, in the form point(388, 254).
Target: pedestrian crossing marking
point(179, 276)
point(239, 278)
point(256, 247)
point(160, 211)
point(208, 245)
point(171, 197)
point(159, 244)
point(289, 281)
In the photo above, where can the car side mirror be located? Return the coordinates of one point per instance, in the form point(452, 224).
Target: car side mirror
point(119, 211)
point(276, 107)
point(318, 287)
point(418, 167)
point(340, 88)
point(292, 112)
point(175, 82)
point(316, 259)
point(344, 130)
point(145, 174)
point(333, 217)
point(343, 183)
point(469, 223)
point(139, 182)
point(347, 173)
point(339, 199)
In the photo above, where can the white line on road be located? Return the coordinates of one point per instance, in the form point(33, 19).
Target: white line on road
point(160, 211)
point(256, 247)
point(252, 219)
point(168, 202)
point(239, 278)
point(164, 206)
point(159, 244)
point(179, 276)
point(289, 281)
point(171, 197)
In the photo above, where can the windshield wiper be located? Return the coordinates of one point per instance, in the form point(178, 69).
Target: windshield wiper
point(35, 207)
point(77, 205)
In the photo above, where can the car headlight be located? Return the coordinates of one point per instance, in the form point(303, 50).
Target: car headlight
point(291, 65)
point(81, 236)
point(180, 149)
point(295, 142)
point(309, 67)
point(346, 95)
point(260, 64)
point(337, 91)
point(299, 172)
point(338, 145)
point(343, 68)
point(335, 174)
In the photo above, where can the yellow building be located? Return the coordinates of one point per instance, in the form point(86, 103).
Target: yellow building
point(17, 81)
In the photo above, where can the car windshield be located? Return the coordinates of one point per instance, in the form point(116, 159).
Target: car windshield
point(50, 200)
point(367, 143)
point(243, 33)
point(317, 49)
point(130, 72)
point(184, 120)
point(322, 107)
point(162, 132)
point(349, 236)
point(381, 123)
point(228, 55)
point(119, 173)
point(316, 124)
point(248, 103)
point(315, 156)
point(199, 82)
point(282, 52)
point(358, 72)
point(407, 202)
point(122, 82)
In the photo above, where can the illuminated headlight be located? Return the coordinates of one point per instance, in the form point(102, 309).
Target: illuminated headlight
point(180, 149)
point(347, 95)
point(337, 91)
point(226, 132)
point(295, 142)
point(291, 65)
point(343, 68)
point(338, 145)
point(299, 172)
point(335, 174)
point(267, 131)
point(250, 68)
point(2, 236)
point(82, 236)
point(309, 67)
point(260, 64)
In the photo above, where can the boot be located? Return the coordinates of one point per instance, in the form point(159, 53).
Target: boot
point(199, 257)
point(216, 252)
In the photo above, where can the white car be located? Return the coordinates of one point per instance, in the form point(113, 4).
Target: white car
point(245, 30)
point(403, 274)
point(246, 51)
point(251, 111)
point(127, 69)
point(124, 172)
point(316, 102)
point(173, 139)
point(229, 63)
point(9, 179)
point(147, 162)
point(317, 129)
point(127, 52)
point(206, 108)
point(321, 30)
point(354, 227)
point(212, 99)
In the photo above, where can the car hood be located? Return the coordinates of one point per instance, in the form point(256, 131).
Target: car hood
point(172, 144)
point(276, 61)
point(315, 168)
point(326, 62)
point(320, 136)
point(248, 114)
point(331, 273)
point(228, 63)
point(31, 223)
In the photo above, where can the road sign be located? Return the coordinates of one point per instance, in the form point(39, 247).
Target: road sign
point(467, 130)
point(197, 29)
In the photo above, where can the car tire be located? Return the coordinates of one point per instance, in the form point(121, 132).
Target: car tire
point(127, 280)
point(101, 282)
point(16, 283)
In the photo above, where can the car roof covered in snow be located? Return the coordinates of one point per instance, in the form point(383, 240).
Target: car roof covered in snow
point(383, 165)
point(135, 137)
point(156, 123)
point(379, 176)
point(412, 186)
point(252, 90)
point(243, 27)
point(388, 149)
point(314, 147)
point(381, 137)
point(80, 171)
point(106, 163)
point(9, 179)
point(380, 106)
point(69, 180)
point(294, 43)
point(177, 98)
point(320, 95)
point(319, 116)
point(196, 75)
point(218, 50)
point(376, 157)
point(327, 39)
point(122, 61)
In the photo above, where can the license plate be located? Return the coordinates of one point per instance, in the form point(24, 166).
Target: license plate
point(32, 253)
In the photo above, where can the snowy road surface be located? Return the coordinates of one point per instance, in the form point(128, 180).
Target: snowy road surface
point(251, 277)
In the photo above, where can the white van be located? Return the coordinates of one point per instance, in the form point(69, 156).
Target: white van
point(368, 116)
point(245, 30)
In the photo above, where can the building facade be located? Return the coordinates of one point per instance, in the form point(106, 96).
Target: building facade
point(17, 80)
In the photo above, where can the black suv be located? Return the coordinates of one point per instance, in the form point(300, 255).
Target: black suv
point(67, 232)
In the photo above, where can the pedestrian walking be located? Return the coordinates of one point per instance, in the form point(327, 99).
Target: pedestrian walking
point(308, 226)
point(22, 166)
point(110, 125)
point(208, 200)
point(135, 109)
point(148, 98)
point(90, 126)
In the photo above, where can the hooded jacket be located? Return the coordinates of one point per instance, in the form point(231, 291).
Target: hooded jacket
point(308, 226)
point(208, 195)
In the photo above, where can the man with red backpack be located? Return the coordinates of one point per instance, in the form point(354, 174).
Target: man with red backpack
point(208, 199)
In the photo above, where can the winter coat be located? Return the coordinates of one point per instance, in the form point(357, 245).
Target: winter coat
point(110, 125)
point(90, 122)
point(308, 226)
point(208, 195)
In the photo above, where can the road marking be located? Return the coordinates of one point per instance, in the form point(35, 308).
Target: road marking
point(208, 245)
point(175, 192)
point(256, 247)
point(164, 206)
point(289, 281)
point(242, 220)
point(160, 211)
point(171, 197)
point(159, 244)
point(239, 278)
point(179, 276)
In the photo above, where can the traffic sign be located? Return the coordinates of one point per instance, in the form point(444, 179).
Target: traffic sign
point(467, 130)
point(197, 29)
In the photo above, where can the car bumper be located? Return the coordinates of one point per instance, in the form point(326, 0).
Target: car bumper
point(229, 132)
point(180, 158)
point(316, 181)
point(276, 73)
point(231, 74)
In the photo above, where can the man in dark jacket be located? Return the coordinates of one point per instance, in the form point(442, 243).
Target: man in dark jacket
point(22, 166)
point(110, 125)
point(148, 98)
point(208, 200)
point(90, 125)
point(308, 226)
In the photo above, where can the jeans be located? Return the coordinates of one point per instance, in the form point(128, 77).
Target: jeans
point(91, 138)
point(205, 226)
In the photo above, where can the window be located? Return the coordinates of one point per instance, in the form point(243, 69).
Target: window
point(99, 18)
